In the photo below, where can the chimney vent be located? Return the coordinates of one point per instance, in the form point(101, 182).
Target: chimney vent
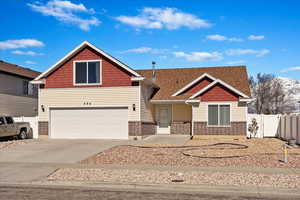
point(153, 71)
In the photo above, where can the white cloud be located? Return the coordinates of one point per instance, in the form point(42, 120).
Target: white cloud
point(256, 37)
point(64, 11)
point(236, 62)
point(169, 18)
point(218, 37)
point(258, 53)
point(297, 68)
point(30, 62)
point(28, 53)
point(145, 50)
point(199, 56)
point(22, 43)
point(162, 57)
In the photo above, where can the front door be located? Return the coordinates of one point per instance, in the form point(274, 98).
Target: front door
point(164, 119)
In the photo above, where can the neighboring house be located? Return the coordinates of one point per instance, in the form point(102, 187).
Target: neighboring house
point(90, 94)
point(18, 97)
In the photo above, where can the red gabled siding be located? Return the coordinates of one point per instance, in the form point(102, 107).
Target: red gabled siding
point(112, 74)
point(219, 93)
point(198, 86)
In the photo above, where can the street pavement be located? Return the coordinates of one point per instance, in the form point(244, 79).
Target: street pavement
point(65, 193)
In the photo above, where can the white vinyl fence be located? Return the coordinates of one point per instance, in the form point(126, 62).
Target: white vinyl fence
point(289, 127)
point(282, 126)
point(33, 123)
point(267, 124)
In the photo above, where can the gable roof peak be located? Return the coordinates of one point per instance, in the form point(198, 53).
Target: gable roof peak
point(204, 75)
point(218, 81)
point(79, 48)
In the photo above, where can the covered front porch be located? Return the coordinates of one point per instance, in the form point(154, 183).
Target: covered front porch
point(173, 118)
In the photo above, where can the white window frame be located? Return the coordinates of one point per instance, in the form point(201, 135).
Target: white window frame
point(87, 74)
point(218, 104)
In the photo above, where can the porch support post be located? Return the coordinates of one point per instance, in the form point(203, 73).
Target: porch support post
point(194, 104)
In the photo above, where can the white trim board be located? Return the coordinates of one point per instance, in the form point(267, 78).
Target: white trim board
point(193, 82)
point(77, 49)
point(167, 101)
point(222, 83)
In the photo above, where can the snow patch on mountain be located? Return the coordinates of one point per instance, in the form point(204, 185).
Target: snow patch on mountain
point(294, 86)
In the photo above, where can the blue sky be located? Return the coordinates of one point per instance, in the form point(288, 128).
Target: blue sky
point(263, 35)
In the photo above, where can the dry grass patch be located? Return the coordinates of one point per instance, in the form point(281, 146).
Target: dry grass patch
point(168, 177)
point(255, 145)
point(265, 153)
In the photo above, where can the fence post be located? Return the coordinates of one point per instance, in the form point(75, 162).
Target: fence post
point(278, 132)
point(283, 127)
point(298, 129)
point(294, 127)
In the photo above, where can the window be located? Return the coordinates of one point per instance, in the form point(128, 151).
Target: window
point(28, 88)
point(87, 72)
point(9, 120)
point(25, 87)
point(219, 115)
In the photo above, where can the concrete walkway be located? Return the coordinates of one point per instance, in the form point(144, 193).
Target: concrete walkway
point(165, 139)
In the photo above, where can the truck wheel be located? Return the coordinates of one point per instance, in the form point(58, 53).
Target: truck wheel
point(23, 135)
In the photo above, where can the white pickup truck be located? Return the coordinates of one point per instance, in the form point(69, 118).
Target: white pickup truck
point(8, 127)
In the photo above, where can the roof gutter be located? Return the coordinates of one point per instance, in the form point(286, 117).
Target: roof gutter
point(38, 82)
point(145, 80)
point(190, 101)
point(167, 101)
point(247, 100)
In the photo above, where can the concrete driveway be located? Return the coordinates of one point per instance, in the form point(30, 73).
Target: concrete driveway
point(57, 151)
point(35, 160)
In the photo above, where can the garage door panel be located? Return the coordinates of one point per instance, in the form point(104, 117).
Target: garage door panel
point(88, 123)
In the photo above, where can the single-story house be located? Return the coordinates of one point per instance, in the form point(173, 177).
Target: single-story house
point(90, 94)
point(18, 97)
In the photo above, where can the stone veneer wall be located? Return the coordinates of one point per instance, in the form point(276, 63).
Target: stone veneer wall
point(137, 128)
point(148, 128)
point(181, 127)
point(43, 128)
point(236, 128)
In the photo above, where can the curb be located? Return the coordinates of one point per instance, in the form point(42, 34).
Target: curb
point(164, 188)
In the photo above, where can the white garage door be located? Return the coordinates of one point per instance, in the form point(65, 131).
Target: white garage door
point(89, 123)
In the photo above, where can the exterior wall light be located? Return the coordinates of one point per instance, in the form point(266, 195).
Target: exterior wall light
point(133, 107)
point(43, 108)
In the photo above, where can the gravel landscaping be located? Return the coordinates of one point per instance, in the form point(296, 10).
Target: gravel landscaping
point(168, 177)
point(11, 143)
point(261, 153)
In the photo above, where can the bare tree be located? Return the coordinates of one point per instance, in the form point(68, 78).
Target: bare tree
point(270, 95)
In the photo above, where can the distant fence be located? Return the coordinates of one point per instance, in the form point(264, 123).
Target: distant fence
point(33, 121)
point(282, 126)
point(289, 127)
